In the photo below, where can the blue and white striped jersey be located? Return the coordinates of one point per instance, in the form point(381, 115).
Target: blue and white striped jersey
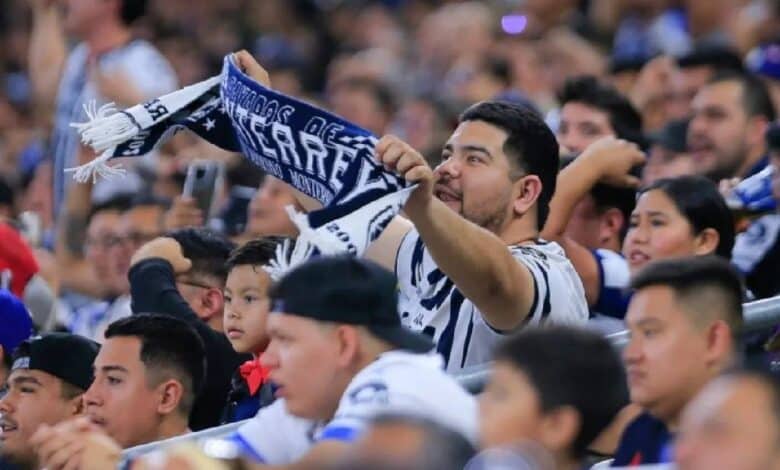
point(614, 278)
point(147, 70)
point(430, 303)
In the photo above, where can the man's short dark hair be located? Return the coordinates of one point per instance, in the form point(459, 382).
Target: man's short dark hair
point(379, 91)
point(207, 250)
point(258, 252)
point(170, 348)
point(756, 100)
point(119, 203)
point(571, 367)
point(530, 144)
point(712, 55)
point(623, 117)
point(708, 284)
point(131, 10)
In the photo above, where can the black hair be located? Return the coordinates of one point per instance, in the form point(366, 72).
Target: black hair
point(697, 198)
point(168, 346)
point(256, 252)
point(530, 143)
point(756, 100)
point(207, 250)
point(623, 117)
point(119, 203)
point(378, 90)
point(570, 367)
point(712, 55)
point(694, 276)
point(131, 10)
point(6, 193)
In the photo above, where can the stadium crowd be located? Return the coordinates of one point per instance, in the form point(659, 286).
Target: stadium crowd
point(583, 167)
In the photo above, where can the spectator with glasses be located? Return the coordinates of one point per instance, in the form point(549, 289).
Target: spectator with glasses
point(183, 276)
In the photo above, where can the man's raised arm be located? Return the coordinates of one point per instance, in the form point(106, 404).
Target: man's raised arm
point(476, 260)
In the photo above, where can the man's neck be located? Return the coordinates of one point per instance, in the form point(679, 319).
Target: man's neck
point(751, 161)
point(564, 462)
point(518, 231)
point(105, 37)
point(172, 426)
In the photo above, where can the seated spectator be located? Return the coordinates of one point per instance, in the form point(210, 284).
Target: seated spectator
point(147, 375)
point(366, 364)
point(595, 194)
point(246, 312)
point(678, 217)
point(731, 114)
point(201, 286)
point(603, 270)
point(49, 376)
point(398, 441)
point(557, 387)
point(733, 423)
point(684, 319)
point(17, 327)
point(154, 288)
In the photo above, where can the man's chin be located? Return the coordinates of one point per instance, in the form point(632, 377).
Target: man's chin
point(455, 206)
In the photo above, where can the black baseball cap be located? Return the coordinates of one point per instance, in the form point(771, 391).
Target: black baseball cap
point(343, 289)
point(66, 356)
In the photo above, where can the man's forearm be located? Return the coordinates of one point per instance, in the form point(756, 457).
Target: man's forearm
point(477, 261)
point(47, 54)
point(573, 184)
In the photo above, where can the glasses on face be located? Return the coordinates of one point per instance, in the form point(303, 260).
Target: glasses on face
point(132, 238)
point(189, 282)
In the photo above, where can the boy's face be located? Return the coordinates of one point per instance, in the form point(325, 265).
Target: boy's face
point(246, 308)
point(510, 410)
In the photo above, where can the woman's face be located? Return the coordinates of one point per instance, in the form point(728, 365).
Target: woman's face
point(658, 230)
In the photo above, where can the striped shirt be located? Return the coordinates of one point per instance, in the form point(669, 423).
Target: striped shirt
point(138, 61)
point(430, 303)
point(610, 308)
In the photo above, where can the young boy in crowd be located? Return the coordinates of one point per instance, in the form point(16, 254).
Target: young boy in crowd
point(246, 310)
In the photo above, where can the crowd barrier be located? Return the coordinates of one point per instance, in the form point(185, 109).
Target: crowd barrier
point(758, 315)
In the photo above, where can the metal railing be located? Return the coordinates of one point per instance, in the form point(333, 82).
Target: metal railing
point(758, 315)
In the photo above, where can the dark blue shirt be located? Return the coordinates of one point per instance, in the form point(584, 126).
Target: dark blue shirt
point(645, 441)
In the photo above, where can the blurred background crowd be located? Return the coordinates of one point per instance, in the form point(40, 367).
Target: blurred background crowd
point(640, 70)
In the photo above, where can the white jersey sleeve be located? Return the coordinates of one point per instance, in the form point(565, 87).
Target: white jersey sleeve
point(274, 436)
point(406, 384)
point(430, 303)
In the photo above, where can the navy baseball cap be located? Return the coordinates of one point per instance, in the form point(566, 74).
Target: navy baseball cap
point(15, 322)
point(349, 290)
point(66, 356)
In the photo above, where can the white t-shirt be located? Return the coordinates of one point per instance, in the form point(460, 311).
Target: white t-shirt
point(146, 69)
point(430, 303)
point(397, 382)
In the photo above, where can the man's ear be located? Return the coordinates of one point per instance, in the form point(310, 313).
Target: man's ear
point(170, 395)
point(526, 191)
point(612, 221)
point(77, 405)
point(560, 428)
point(348, 338)
point(214, 301)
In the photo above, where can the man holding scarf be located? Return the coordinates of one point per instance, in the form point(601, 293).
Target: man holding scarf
point(472, 269)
